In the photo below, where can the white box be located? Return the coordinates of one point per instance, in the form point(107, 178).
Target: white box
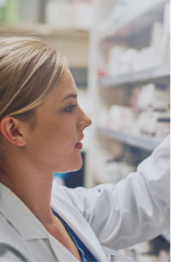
point(163, 128)
point(166, 18)
point(59, 14)
point(155, 97)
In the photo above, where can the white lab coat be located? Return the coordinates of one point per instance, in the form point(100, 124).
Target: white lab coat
point(107, 216)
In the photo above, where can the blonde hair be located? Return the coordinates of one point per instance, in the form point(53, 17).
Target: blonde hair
point(30, 69)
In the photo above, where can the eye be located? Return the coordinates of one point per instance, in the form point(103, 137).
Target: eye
point(70, 108)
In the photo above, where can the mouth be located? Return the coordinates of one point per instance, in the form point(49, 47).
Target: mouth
point(79, 145)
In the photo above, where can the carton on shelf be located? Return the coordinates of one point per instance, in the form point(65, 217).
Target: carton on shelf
point(166, 18)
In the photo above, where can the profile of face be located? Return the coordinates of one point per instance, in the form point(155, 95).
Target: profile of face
point(53, 143)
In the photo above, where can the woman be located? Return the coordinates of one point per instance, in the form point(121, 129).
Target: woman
point(41, 128)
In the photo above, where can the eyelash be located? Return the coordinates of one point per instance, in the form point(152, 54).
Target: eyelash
point(69, 109)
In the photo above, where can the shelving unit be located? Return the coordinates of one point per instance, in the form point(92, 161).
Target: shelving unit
point(134, 21)
point(44, 29)
point(104, 165)
point(142, 142)
point(159, 74)
point(74, 43)
point(128, 32)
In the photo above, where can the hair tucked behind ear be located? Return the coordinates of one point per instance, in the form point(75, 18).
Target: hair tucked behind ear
point(30, 69)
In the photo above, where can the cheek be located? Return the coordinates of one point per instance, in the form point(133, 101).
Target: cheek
point(60, 149)
point(52, 145)
point(60, 135)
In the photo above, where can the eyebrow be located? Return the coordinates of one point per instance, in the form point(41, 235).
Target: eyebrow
point(69, 96)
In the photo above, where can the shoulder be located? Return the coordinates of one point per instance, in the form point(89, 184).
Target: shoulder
point(64, 194)
point(12, 245)
point(72, 196)
point(82, 199)
point(8, 232)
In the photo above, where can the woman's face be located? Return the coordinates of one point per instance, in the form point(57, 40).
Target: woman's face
point(53, 144)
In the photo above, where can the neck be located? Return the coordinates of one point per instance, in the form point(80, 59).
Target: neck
point(33, 187)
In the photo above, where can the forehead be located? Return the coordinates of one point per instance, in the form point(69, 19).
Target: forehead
point(56, 99)
point(66, 87)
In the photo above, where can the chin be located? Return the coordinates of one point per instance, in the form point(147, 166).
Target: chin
point(72, 165)
point(76, 166)
point(76, 163)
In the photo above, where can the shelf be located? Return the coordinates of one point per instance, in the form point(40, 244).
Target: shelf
point(135, 21)
point(44, 29)
point(141, 142)
point(167, 235)
point(159, 74)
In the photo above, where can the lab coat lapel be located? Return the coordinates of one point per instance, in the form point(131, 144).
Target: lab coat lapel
point(61, 253)
point(19, 215)
point(81, 228)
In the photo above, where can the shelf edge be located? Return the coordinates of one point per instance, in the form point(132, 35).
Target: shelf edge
point(135, 141)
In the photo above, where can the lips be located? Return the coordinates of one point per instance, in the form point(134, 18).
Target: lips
point(79, 145)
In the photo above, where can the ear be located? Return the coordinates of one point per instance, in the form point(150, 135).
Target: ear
point(11, 129)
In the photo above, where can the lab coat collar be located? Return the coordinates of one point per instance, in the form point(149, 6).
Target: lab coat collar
point(84, 232)
point(19, 215)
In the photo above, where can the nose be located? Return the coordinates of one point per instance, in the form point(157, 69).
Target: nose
point(84, 122)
